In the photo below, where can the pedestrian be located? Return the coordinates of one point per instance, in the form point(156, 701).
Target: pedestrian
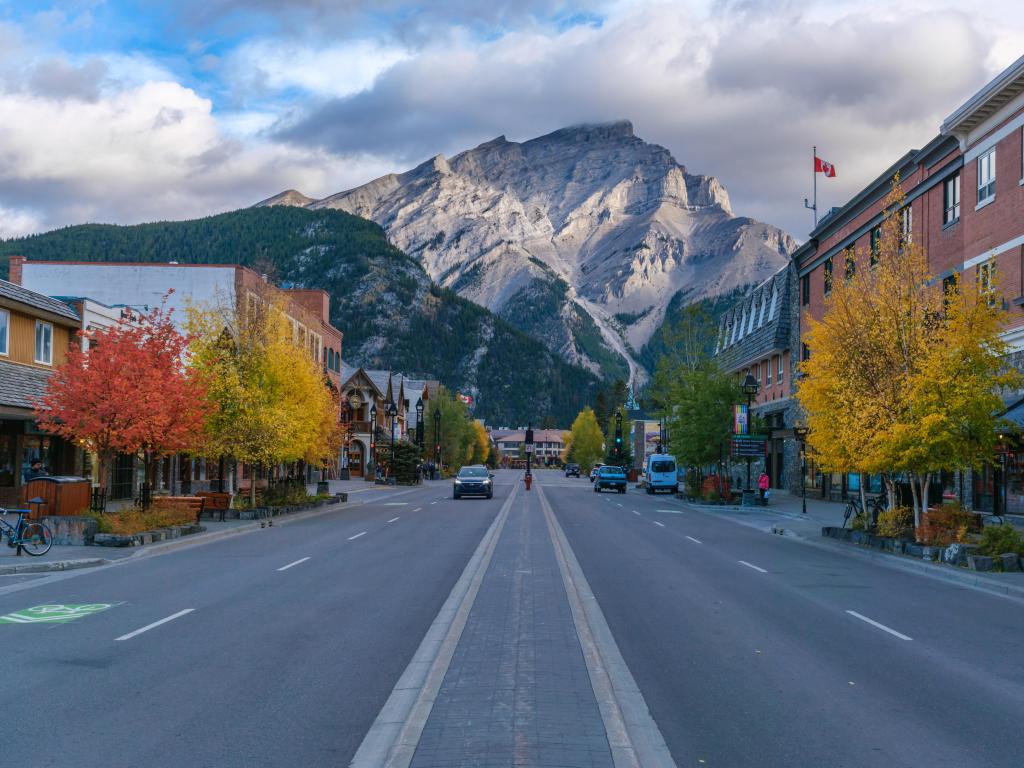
point(763, 482)
point(35, 470)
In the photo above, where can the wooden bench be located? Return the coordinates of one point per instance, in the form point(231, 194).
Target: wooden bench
point(215, 501)
point(195, 503)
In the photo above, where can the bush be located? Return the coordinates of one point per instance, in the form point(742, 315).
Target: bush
point(135, 519)
point(999, 539)
point(946, 525)
point(860, 522)
point(897, 523)
point(285, 493)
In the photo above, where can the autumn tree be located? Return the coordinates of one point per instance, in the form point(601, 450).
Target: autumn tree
point(457, 434)
point(269, 401)
point(129, 391)
point(904, 371)
point(480, 446)
point(586, 441)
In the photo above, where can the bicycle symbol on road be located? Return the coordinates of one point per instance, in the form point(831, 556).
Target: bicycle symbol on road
point(53, 613)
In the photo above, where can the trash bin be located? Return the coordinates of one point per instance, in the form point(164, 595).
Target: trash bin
point(63, 495)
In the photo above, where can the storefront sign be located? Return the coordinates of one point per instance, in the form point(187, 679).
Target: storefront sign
point(748, 446)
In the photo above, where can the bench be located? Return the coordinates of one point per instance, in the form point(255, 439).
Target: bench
point(215, 501)
point(195, 503)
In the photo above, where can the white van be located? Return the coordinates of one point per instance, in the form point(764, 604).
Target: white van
point(660, 471)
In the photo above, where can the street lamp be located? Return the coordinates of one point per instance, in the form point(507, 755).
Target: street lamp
point(419, 423)
point(801, 435)
point(750, 389)
point(437, 439)
point(393, 413)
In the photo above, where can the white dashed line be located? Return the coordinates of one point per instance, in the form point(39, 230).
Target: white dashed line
point(882, 627)
point(396, 503)
point(761, 570)
point(415, 510)
point(292, 565)
point(617, 504)
point(155, 624)
point(352, 538)
point(635, 512)
point(393, 519)
point(657, 523)
point(695, 541)
point(433, 502)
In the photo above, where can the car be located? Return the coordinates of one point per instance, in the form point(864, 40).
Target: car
point(610, 477)
point(661, 473)
point(593, 471)
point(474, 480)
point(572, 470)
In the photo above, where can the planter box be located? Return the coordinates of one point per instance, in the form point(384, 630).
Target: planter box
point(914, 550)
point(979, 563)
point(1010, 561)
point(113, 540)
point(71, 531)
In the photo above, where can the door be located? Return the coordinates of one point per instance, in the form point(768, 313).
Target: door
point(355, 459)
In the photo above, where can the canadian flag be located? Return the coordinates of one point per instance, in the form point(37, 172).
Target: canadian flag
point(822, 166)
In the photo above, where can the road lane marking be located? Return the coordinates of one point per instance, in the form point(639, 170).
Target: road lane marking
point(760, 570)
point(415, 510)
point(657, 523)
point(433, 502)
point(393, 519)
point(695, 541)
point(617, 504)
point(671, 511)
point(352, 538)
point(154, 625)
point(396, 503)
point(635, 512)
point(292, 565)
point(882, 627)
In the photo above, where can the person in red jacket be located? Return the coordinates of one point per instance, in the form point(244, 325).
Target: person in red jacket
point(763, 483)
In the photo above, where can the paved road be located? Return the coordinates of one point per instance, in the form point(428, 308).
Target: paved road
point(748, 649)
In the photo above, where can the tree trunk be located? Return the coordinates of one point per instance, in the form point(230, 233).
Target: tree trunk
point(864, 501)
point(104, 458)
point(915, 496)
point(890, 489)
point(252, 485)
point(925, 480)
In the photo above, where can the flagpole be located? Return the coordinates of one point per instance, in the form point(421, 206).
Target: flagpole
point(814, 159)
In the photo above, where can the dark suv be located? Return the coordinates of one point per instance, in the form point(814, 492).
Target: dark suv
point(473, 481)
point(610, 477)
point(572, 470)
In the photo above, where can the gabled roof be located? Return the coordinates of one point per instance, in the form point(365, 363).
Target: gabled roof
point(381, 380)
point(16, 293)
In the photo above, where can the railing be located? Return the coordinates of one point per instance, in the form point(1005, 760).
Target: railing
point(359, 426)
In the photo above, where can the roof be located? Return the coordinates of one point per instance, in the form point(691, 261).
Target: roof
point(1002, 89)
point(758, 324)
point(21, 385)
point(380, 380)
point(21, 295)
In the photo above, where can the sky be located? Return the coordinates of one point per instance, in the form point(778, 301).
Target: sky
point(126, 111)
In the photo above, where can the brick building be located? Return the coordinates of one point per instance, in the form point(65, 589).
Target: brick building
point(965, 207)
point(757, 335)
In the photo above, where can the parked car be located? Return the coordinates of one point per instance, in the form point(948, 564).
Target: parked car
point(661, 473)
point(593, 471)
point(610, 477)
point(572, 470)
point(474, 480)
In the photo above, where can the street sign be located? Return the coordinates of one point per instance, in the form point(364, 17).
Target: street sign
point(529, 447)
point(752, 447)
point(53, 614)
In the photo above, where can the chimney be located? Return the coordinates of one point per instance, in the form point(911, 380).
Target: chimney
point(14, 264)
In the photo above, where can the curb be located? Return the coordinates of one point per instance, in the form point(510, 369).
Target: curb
point(54, 565)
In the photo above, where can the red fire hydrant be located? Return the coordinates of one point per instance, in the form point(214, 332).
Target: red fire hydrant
point(528, 479)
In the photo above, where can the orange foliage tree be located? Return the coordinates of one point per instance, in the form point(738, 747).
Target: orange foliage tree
point(129, 392)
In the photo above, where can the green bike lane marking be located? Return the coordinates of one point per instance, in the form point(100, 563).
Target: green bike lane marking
point(54, 613)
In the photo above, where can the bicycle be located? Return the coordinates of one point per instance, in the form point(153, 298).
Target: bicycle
point(852, 510)
point(33, 537)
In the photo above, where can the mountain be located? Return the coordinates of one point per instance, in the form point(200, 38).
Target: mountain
point(583, 238)
point(390, 311)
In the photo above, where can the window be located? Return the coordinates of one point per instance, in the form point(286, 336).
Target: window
point(44, 343)
point(987, 281)
point(781, 369)
point(764, 308)
point(828, 276)
point(948, 288)
point(987, 177)
point(768, 374)
point(757, 371)
point(805, 290)
point(775, 303)
point(805, 352)
point(951, 198)
point(875, 239)
point(5, 330)
point(851, 263)
point(906, 225)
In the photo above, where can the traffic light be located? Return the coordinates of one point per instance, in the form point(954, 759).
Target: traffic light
point(529, 434)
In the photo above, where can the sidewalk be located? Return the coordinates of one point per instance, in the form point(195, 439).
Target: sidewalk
point(783, 516)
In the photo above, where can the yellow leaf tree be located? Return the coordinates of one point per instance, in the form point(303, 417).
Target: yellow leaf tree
point(273, 403)
point(903, 371)
point(586, 441)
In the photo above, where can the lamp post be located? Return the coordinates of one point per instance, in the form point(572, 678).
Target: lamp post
point(801, 435)
point(419, 423)
point(393, 413)
point(437, 439)
point(373, 436)
point(750, 389)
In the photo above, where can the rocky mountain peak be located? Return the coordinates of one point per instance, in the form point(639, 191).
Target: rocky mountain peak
point(288, 197)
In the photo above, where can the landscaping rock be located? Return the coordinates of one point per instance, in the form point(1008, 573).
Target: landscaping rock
point(956, 554)
point(1010, 561)
point(931, 554)
point(70, 530)
point(112, 540)
point(979, 563)
point(914, 550)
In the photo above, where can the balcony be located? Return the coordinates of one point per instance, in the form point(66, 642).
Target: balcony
point(359, 427)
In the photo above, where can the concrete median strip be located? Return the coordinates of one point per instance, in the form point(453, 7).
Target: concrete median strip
point(633, 736)
point(392, 739)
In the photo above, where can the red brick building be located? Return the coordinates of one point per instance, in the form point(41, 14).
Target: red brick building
point(965, 206)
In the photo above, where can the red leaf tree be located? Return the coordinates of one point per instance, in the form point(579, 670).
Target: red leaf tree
point(131, 391)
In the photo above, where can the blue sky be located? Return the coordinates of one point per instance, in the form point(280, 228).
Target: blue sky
point(134, 110)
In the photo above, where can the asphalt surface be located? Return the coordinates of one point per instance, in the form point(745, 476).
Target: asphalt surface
point(279, 647)
point(746, 653)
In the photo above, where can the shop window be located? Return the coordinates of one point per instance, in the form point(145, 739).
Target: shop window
point(987, 281)
point(875, 244)
point(805, 290)
point(987, 177)
point(7, 461)
point(827, 280)
point(781, 369)
point(768, 373)
point(850, 263)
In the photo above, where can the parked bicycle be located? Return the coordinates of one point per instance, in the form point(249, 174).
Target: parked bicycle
point(875, 504)
point(31, 536)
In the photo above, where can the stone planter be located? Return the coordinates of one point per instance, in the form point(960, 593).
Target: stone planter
point(1010, 561)
point(112, 540)
point(914, 550)
point(979, 563)
point(71, 531)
